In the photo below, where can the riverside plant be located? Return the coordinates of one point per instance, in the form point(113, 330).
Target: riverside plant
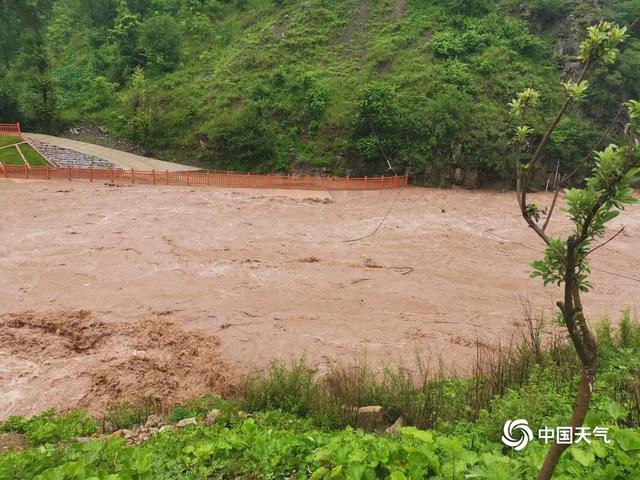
point(607, 191)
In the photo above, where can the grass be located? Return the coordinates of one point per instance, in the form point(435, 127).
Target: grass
point(33, 158)
point(127, 414)
point(4, 141)
point(539, 365)
point(10, 156)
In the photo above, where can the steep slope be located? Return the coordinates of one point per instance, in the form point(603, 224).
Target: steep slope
point(350, 87)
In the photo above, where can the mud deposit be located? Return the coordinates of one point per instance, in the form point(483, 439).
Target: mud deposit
point(72, 359)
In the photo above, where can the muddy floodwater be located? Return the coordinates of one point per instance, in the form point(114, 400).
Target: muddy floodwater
point(270, 274)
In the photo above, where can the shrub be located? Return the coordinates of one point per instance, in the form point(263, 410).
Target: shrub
point(200, 407)
point(127, 414)
point(627, 331)
point(51, 428)
point(377, 110)
point(244, 141)
point(159, 39)
point(292, 389)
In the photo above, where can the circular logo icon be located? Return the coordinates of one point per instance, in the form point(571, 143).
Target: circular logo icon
point(516, 434)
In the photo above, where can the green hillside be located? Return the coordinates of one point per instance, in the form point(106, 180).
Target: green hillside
point(322, 86)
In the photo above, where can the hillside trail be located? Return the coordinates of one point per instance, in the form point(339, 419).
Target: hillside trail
point(355, 35)
point(119, 158)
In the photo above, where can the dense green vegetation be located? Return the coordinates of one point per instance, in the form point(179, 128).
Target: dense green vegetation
point(339, 86)
point(291, 430)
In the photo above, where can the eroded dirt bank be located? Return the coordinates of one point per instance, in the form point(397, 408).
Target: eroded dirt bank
point(71, 359)
point(270, 274)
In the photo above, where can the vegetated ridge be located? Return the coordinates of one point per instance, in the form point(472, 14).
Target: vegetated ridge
point(321, 86)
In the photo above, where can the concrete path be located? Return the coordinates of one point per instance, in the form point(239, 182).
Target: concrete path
point(121, 159)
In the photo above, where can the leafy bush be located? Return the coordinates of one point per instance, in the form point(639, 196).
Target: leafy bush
point(378, 109)
point(291, 389)
point(159, 39)
point(50, 428)
point(127, 414)
point(274, 445)
point(243, 141)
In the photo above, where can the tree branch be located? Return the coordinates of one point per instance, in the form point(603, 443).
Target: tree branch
point(553, 203)
point(603, 244)
point(524, 177)
point(604, 197)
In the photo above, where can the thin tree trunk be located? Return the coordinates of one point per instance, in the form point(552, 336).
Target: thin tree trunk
point(585, 346)
point(583, 399)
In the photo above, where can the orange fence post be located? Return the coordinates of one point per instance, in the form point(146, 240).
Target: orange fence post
point(48, 172)
point(133, 176)
point(113, 175)
point(153, 176)
point(90, 174)
point(166, 176)
point(383, 181)
point(69, 171)
point(208, 178)
point(4, 170)
point(366, 183)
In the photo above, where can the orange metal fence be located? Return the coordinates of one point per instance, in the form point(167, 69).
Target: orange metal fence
point(10, 129)
point(154, 177)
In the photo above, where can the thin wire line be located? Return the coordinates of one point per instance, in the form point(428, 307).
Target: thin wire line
point(393, 204)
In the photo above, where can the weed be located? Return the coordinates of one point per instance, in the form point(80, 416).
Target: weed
point(127, 414)
point(51, 428)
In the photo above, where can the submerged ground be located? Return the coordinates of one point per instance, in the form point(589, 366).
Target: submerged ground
point(270, 273)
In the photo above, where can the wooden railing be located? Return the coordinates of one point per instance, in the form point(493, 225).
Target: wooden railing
point(199, 178)
point(10, 129)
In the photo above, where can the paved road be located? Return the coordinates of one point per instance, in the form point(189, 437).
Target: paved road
point(122, 159)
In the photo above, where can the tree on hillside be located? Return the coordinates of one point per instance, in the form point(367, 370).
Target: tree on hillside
point(33, 73)
point(604, 196)
point(377, 124)
point(160, 43)
point(136, 100)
